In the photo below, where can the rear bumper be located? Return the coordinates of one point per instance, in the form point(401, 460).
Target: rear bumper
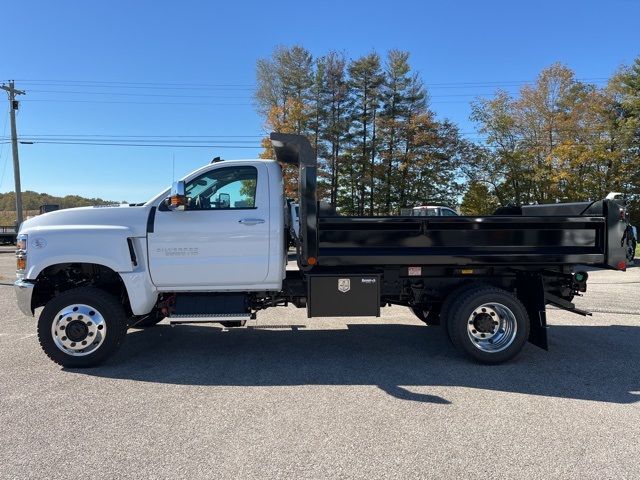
point(24, 292)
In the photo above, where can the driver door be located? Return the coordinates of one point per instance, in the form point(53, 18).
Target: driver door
point(221, 239)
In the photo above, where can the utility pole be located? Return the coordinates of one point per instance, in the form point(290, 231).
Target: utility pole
point(13, 106)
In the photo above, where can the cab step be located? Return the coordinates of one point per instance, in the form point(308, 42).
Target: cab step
point(224, 318)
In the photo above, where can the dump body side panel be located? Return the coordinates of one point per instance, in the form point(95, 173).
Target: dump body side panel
point(462, 240)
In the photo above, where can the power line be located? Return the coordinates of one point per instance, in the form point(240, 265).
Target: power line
point(136, 94)
point(127, 84)
point(64, 100)
point(143, 136)
point(475, 94)
point(114, 144)
point(160, 141)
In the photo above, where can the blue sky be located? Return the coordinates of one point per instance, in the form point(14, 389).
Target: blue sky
point(217, 43)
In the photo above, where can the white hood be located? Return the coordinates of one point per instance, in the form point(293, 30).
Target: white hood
point(133, 218)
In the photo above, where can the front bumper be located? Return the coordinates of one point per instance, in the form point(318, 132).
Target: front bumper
point(24, 292)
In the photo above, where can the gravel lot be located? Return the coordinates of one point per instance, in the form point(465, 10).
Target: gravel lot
point(333, 398)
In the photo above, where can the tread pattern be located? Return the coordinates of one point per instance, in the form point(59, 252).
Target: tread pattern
point(451, 300)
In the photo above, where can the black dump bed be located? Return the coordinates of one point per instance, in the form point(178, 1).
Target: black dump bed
point(493, 240)
point(587, 233)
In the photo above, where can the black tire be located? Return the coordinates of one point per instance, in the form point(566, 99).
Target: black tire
point(430, 317)
point(470, 305)
point(450, 301)
point(107, 307)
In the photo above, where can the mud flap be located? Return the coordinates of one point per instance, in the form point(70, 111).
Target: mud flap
point(530, 291)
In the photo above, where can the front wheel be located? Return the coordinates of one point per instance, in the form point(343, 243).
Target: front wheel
point(489, 324)
point(81, 327)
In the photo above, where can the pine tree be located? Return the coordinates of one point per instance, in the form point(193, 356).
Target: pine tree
point(365, 78)
point(334, 114)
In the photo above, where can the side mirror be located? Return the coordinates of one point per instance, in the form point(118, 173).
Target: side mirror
point(178, 199)
point(224, 200)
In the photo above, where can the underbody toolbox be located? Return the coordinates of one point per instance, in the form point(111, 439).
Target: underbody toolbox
point(344, 295)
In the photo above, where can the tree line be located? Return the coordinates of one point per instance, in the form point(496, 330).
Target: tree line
point(381, 148)
point(31, 201)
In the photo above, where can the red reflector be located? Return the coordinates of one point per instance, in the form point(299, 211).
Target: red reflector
point(622, 265)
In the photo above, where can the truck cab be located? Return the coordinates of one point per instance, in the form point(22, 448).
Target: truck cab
point(229, 235)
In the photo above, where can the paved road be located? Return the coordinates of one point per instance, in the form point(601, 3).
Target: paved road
point(329, 399)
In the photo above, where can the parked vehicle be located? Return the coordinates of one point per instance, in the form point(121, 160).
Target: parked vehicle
point(48, 207)
point(213, 249)
point(433, 211)
point(8, 234)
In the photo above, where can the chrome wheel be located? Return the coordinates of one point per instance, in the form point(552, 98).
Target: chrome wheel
point(492, 327)
point(78, 330)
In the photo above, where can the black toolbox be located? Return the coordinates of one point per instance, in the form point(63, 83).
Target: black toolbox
point(352, 295)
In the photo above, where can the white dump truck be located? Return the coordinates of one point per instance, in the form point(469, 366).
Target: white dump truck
point(214, 249)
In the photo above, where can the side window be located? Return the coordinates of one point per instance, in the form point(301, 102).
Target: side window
point(224, 188)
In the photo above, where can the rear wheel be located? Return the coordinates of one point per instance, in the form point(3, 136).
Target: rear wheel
point(451, 300)
point(489, 324)
point(81, 327)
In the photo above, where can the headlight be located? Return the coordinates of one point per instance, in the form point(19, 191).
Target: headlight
point(21, 253)
point(22, 242)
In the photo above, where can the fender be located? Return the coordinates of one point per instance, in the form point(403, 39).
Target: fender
point(101, 244)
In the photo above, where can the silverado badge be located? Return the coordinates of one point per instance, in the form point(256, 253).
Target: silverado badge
point(344, 285)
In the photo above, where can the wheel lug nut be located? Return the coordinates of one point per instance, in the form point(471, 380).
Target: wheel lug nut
point(73, 344)
point(99, 327)
point(63, 338)
point(84, 342)
point(90, 334)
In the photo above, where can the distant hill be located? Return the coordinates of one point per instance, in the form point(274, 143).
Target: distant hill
point(31, 202)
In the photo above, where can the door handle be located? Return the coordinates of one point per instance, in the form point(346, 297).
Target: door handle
point(251, 221)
